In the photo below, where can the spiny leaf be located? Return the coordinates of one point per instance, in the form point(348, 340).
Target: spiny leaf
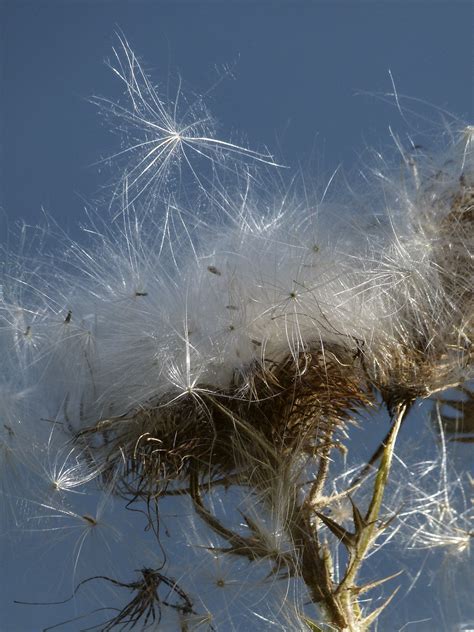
point(373, 615)
point(359, 521)
point(345, 536)
point(314, 627)
point(359, 590)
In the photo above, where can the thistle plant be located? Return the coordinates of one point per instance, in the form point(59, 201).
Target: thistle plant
point(202, 360)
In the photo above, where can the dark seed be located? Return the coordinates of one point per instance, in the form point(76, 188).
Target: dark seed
point(214, 270)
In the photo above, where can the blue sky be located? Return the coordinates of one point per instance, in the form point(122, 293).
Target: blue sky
point(297, 70)
point(304, 82)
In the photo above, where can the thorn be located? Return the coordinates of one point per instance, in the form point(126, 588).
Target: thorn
point(359, 590)
point(346, 537)
point(359, 521)
point(373, 615)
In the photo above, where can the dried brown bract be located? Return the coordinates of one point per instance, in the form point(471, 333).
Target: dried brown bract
point(276, 410)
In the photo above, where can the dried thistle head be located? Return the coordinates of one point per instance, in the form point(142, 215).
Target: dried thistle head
point(275, 411)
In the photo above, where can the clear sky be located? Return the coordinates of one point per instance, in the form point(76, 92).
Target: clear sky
point(297, 69)
point(300, 71)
